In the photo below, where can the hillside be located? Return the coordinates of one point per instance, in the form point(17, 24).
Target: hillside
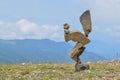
point(104, 70)
point(110, 50)
point(37, 51)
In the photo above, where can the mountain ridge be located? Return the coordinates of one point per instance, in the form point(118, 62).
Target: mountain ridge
point(37, 51)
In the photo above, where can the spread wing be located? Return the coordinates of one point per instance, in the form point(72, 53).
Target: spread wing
point(85, 20)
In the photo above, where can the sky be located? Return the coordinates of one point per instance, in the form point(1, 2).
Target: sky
point(44, 19)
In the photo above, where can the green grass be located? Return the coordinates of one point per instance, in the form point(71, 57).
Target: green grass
point(51, 71)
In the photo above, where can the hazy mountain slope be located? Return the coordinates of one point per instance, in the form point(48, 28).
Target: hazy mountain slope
point(30, 50)
point(108, 50)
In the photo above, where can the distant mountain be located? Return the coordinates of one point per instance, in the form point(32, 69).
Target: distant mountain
point(110, 50)
point(37, 51)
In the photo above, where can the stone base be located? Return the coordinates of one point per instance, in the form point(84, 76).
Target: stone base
point(79, 67)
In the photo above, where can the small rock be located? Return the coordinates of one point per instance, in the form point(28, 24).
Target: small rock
point(23, 63)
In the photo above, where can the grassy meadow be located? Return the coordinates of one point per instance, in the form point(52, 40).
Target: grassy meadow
point(102, 70)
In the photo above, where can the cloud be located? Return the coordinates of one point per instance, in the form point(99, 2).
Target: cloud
point(24, 29)
point(111, 31)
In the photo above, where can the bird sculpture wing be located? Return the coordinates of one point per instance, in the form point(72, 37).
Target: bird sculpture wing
point(85, 20)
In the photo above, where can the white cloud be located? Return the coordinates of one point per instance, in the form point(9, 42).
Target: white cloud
point(24, 29)
point(113, 31)
point(26, 26)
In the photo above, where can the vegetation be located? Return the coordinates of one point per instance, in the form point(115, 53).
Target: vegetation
point(104, 70)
